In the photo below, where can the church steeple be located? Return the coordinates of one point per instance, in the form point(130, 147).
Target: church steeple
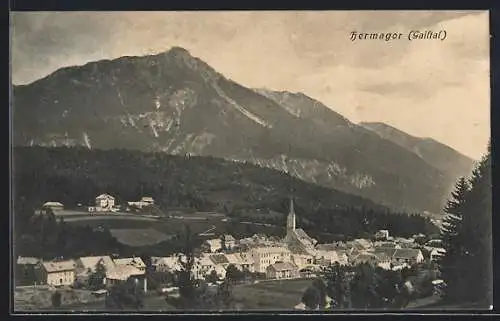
point(290, 221)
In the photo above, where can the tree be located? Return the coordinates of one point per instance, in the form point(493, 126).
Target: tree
point(451, 264)
point(56, 299)
point(336, 285)
point(477, 231)
point(96, 279)
point(224, 297)
point(125, 296)
point(466, 267)
point(186, 280)
point(212, 277)
point(233, 274)
point(311, 298)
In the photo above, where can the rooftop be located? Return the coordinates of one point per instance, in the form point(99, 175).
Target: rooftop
point(21, 260)
point(59, 266)
point(135, 261)
point(58, 204)
point(282, 266)
point(90, 262)
point(219, 258)
point(123, 272)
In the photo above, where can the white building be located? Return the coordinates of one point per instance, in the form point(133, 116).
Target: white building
point(57, 273)
point(121, 273)
point(104, 203)
point(214, 245)
point(267, 255)
point(144, 202)
point(282, 270)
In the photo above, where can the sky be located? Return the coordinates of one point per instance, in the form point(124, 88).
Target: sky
point(427, 88)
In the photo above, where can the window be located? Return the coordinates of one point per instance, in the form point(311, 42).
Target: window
point(60, 281)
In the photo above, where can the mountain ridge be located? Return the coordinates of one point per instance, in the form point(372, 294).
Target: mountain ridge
point(175, 103)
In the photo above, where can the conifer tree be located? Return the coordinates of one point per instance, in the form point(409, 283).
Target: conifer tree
point(466, 267)
point(186, 281)
point(477, 229)
point(451, 264)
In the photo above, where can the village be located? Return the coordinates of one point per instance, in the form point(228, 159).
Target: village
point(294, 256)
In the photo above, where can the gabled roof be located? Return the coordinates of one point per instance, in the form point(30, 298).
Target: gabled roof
point(219, 258)
point(48, 204)
point(302, 234)
point(282, 266)
point(58, 266)
point(365, 257)
point(172, 262)
point(135, 261)
point(407, 253)
point(229, 237)
point(123, 272)
point(327, 247)
point(387, 251)
point(234, 258)
point(90, 262)
point(104, 196)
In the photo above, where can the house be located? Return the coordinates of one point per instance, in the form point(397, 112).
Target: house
point(400, 256)
point(369, 258)
point(264, 256)
point(391, 245)
point(122, 273)
point(302, 259)
point(144, 202)
point(26, 270)
point(212, 245)
point(408, 256)
point(436, 252)
point(54, 206)
point(382, 235)
point(361, 244)
point(88, 265)
point(57, 273)
point(282, 270)
point(215, 245)
point(203, 266)
point(133, 261)
point(326, 257)
point(104, 203)
point(166, 264)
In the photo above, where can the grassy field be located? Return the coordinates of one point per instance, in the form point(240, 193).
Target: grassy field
point(271, 295)
point(29, 298)
point(139, 236)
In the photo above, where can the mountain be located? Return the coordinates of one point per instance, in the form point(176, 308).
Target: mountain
point(175, 103)
point(442, 157)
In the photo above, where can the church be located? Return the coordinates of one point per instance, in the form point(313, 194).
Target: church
point(296, 239)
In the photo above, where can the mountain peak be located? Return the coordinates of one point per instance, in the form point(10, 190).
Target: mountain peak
point(179, 51)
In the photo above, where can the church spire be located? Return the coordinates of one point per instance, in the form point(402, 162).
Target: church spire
point(290, 222)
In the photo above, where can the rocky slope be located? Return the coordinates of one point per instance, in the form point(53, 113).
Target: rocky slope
point(175, 103)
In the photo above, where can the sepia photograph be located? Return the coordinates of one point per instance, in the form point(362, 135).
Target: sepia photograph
point(250, 161)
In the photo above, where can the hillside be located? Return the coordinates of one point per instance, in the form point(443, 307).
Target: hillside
point(77, 175)
point(442, 157)
point(175, 103)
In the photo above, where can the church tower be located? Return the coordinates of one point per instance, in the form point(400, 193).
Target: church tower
point(290, 220)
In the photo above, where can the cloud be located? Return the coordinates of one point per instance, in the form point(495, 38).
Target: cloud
point(417, 86)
